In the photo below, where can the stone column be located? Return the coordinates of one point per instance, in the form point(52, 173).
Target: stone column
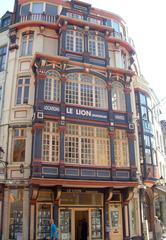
point(26, 214)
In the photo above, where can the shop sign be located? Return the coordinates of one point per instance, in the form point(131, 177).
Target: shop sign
point(86, 114)
point(75, 112)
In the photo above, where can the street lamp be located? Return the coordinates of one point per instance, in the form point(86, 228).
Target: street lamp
point(4, 163)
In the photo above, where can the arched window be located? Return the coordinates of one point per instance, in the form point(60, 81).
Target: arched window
point(52, 86)
point(118, 97)
point(86, 90)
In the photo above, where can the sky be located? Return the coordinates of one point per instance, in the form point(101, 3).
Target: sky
point(146, 21)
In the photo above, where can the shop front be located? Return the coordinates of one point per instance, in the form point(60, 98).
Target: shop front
point(77, 212)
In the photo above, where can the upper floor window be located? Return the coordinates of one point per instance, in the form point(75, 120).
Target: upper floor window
point(3, 51)
point(50, 142)
point(118, 97)
point(19, 142)
point(6, 22)
point(96, 46)
point(74, 41)
point(95, 20)
point(87, 145)
point(74, 15)
point(52, 86)
point(116, 26)
point(86, 90)
point(39, 8)
point(27, 44)
point(121, 148)
point(22, 95)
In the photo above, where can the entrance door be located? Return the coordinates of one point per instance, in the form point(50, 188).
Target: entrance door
point(81, 225)
point(116, 231)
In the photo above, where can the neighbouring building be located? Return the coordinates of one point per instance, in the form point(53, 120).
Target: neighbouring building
point(77, 132)
point(5, 21)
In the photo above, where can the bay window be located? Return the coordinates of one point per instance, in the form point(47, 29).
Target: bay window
point(52, 87)
point(74, 41)
point(86, 90)
point(96, 46)
point(27, 44)
point(118, 97)
point(87, 145)
point(121, 148)
point(19, 144)
point(50, 142)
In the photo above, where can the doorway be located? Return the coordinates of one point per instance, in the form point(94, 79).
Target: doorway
point(81, 225)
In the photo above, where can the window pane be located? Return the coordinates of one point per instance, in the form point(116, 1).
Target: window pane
point(51, 9)
point(30, 44)
point(50, 142)
point(19, 150)
point(118, 97)
point(70, 41)
point(3, 51)
point(142, 99)
point(26, 94)
point(16, 213)
point(121, 148)
point(116, 26)
point(148, 156)
point(37, 8)
point(25, 9)
point(6, 22)
point(19, 95)
point(23, 45)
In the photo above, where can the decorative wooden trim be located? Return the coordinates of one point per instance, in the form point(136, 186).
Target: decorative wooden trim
point(61, 59)
point(80, 183)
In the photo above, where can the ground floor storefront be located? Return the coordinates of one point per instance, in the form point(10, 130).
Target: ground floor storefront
point(96, 213)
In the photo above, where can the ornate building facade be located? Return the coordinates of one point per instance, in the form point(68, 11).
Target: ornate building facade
point(71, 140)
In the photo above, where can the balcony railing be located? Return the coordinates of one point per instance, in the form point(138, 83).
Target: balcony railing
point(38, 17)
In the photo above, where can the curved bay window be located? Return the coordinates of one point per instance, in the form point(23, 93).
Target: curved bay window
point(118, 97)
point(121, 148)
point(87, 145)
point(74, 41)
point(52, 87)
point(51, 142)
point(86, 90)
point(96, 46)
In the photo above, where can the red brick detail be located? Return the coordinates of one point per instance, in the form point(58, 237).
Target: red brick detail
point(131, 136)
point(127, 90)
point(62, 128)
point(38, 126)
point(112, 135)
